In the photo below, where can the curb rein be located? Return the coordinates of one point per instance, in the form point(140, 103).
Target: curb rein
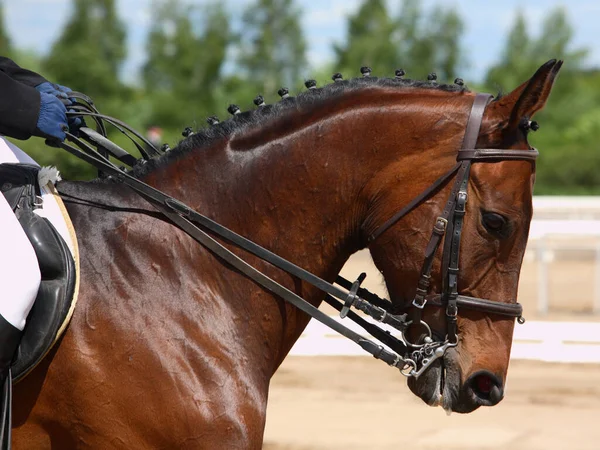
point(412, 359)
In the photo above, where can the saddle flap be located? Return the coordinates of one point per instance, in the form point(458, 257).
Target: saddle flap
point(56, 296)
point(18, 183)
point(53, 302)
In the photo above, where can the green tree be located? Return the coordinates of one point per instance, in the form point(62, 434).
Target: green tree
point(446, 29)
point(90, 51)
point(187, 48)
point(5, 44)
point(272, 50)
point(570, 124)
point(417, 41)
point(514, 66)
point(523, 54)
point(372, 40)
point(86, 57)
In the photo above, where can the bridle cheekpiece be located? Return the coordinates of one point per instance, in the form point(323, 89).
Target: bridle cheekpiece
point(448, 227)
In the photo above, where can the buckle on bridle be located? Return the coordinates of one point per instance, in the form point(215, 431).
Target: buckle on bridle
point(451, 310)
point(352, 295)
point(441, 224)
point(421, 302)
point(461, 201)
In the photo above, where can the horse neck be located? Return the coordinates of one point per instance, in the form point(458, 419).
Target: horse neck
point(304, 185)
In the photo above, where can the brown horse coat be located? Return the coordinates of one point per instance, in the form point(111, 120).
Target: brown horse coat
point(171, 348)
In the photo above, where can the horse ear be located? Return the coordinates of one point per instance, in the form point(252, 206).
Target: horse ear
point(531, 96)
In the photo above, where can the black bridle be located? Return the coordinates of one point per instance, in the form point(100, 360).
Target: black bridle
point(449, 225)
point(411, 358)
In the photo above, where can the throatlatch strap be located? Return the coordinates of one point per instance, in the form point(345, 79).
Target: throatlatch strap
point(413, 203)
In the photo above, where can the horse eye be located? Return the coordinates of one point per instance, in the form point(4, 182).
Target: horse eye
point(494, 223)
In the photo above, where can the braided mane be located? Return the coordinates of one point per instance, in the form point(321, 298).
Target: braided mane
point(258, 117)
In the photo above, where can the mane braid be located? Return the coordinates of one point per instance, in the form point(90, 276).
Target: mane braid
point(252, 118)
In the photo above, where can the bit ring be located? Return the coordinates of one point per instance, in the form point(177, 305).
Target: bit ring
point(427, 329)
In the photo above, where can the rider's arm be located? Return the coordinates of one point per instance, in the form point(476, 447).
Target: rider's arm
point(31, 105)
point(19, 108)
point(10, 68)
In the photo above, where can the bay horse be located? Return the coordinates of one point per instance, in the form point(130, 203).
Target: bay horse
point(170, 347)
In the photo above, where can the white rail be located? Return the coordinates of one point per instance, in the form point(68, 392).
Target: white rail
point(570, 219)
point(569, 342)
point(543, 244)
point(559, 224)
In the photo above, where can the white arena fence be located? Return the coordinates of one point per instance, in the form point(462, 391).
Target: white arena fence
point(560, 226)
point(564, 342)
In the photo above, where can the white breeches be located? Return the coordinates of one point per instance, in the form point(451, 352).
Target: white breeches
point(19, 271)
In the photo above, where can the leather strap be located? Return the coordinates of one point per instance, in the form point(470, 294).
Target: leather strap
point(484, 154)
point(414, 203)
point(475, 119)
point(450, 257)
point(489, 306)
point(109, 146)
point(453, 268)
point(439, 230)
point(452, 220)
point(481, 305)
point(469, 141)
point(434, 242)
point(379, 334)
point(377, 351)
point(448, 210)
point(182, 216)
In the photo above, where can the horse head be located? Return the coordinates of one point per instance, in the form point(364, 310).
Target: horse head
point(473, 371)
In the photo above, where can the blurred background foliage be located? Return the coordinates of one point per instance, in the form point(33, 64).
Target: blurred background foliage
point(197, 63)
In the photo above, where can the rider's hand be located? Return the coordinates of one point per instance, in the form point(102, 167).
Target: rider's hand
point(57, 90)
point(52, 121)
point(75, 123)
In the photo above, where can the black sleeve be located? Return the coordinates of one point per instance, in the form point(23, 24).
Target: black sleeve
point(19, 108)
point(10, 68)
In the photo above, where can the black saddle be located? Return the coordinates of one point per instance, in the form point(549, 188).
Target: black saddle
point(19, 185)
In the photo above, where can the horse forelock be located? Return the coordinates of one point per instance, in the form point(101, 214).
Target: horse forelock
point(254, 120)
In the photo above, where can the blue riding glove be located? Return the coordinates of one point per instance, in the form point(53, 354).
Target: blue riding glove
point(57, 90)
point(52, 121)
point(75, 123)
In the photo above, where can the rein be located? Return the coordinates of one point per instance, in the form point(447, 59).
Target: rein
point(412, 359)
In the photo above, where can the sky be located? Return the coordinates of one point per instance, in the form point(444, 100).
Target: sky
point(35, 24)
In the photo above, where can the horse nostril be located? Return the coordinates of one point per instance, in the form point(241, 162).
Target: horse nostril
point(486, 388)
point(483, 384)
point(495, 395)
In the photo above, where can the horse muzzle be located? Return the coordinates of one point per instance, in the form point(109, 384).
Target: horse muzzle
point(442, 385)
